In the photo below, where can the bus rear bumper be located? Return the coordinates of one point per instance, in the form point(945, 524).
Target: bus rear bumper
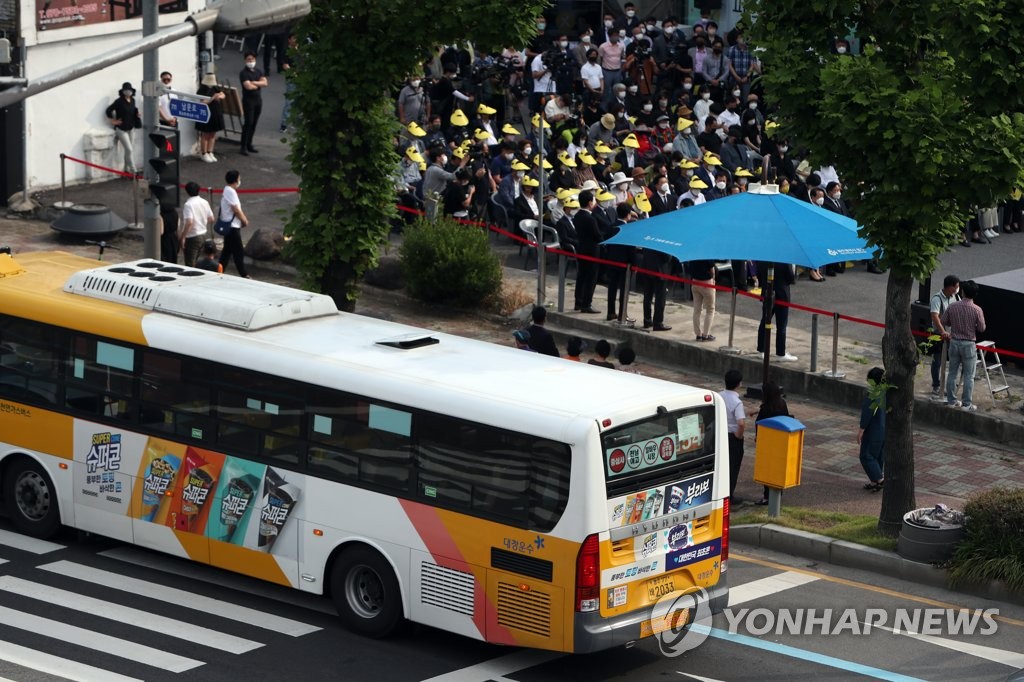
point(594, 633)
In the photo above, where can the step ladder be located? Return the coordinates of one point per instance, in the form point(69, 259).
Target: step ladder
point(993, 370)
point(239, 41)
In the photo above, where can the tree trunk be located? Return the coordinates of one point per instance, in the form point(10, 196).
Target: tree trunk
point(900, 357)
point(337, 282)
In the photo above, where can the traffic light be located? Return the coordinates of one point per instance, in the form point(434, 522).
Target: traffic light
point(165, 163)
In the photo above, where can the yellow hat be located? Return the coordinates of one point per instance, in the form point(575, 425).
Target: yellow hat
point(459, 118)
point(567, 160)
point(604, 195)
point(587, 158)
point(686, 163)
point(711, 160)
point(536, 121)
point(423, 165)
point(518, 165)
point(697, 183)
point(768, 125)
point(414, 155)
point(564, 193)
point(632, 120)
point(531, 181)
point(416, 130)
point(631, 141)
point(642, 202)
point(547, 164)
point(481, 134)
point(571, 203)
point(743, 173)
point(459, 152)
point(683, 123)
point(484, 109)
point(509, 129)
point(602, 148)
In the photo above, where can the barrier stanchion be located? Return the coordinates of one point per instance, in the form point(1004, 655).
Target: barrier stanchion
point(814, 343)
point(563, 266)
point(731, 349)
point(63, 203)
point(834, 373)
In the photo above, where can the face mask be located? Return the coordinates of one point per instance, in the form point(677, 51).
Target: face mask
point(126, 93)
point(519, 175)
point(563, 44)
point(648, 108)
point(736, 93)
point(608, 24)
point(720, 185)
point(742, 182)
point(633, 89)
point(837, 196)
point(819, 201)
point(527, 151)
point(509, 157)
point(622, 33)
point(250, 65)
point(541, 26)
point(689, 172)
point(718, 50)
point(443, 160)
point(669, 30)
point(783, 149)
point(711, 32)
point(586, 40)
point(239, 183)
point(752, 106)
point(663, 188)
point(663, 125)
point(630, 13)
point(687, 86)
point(705, 96)
point(593, 60)
point(662, 103)
point(700, 44)
point(570, 212)
point(614, 38)
point(651, 27)
point(841, 50)
point(414, 84)
point(695, 192)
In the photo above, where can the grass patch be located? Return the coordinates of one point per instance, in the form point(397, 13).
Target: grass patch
point(860, 529)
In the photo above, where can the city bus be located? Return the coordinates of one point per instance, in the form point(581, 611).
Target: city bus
point(408, 475)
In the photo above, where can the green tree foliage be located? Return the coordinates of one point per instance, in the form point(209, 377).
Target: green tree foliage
point(350, 58)
point(923, 126)
point(447, 262)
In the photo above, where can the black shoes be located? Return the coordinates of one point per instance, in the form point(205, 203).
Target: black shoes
point(874, 270)
point(244, 153)
point(252, 150)
point(589, 311)
point(662, 328)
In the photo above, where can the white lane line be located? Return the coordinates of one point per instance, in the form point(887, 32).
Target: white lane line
point(189, 600)
point(1012, 659)
point(97, 641)
point(55, 665)
point(123, 614)
point(497, 667)
point(3, 561)
point(186, 568)
point(698, 677)
point(763, 587)
point(27, 544)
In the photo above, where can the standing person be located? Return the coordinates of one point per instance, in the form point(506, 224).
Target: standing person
point(590, 239)
point(435, 180)
point(253, 81)
point(784, 277)
point(208, 131)
point(196, 219)
point(871, 436)
point(169, 234)
point(772, 405)
point(231, 210)
point(540, 338)
point(287, 65)
point(654, 288)
point(736, 418)
point(124, 117)
point(164, 103)
point(963, 321)
point(413, 103)
point(941, 300)
point(703, 273)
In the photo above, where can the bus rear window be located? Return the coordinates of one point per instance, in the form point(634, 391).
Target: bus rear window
point(661, 445)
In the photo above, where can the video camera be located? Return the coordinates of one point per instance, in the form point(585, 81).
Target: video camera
point(555, 59)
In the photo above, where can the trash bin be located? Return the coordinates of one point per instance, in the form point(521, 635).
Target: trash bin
point(931, 534)
point(778, 458)
point(97, 143)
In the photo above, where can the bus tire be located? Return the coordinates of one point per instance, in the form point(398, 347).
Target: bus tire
point(366, 592)
point(30, 499)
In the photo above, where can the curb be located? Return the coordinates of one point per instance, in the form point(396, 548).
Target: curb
point(851, 555)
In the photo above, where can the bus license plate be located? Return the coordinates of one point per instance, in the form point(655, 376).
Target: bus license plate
point(669, 621)
point(659, 587)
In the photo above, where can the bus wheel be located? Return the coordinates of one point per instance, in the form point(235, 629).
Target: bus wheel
point(31, 501)
point(366, 592)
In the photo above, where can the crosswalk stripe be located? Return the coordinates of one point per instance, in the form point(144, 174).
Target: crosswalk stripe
point(190, 600)
point(27, 544)
point(113, 646)
point(127, 615)
point(55, 665)
point(3, 561)
point(766, 586)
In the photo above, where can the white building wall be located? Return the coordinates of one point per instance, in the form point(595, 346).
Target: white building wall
point(58, 119)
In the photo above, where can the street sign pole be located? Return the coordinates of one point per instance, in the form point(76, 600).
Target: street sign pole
point(150, 74)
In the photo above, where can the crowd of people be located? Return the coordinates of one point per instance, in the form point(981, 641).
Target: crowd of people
point(590, 131)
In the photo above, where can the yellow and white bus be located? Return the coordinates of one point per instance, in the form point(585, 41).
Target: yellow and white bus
point(480, 489)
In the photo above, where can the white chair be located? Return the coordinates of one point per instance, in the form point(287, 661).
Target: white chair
point(529, 228)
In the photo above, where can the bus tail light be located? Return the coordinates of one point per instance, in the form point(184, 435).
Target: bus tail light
point(725, 534)
point(588, 575)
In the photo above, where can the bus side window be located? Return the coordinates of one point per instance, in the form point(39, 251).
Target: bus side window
point(549, 488)
point(99, 378)
point(176, 395)
point(29, 362)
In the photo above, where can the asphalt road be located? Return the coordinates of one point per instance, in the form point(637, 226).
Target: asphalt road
point(145, 608)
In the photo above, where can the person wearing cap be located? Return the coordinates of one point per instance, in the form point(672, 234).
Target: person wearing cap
point(685, 142)
point(124, 117)
point(511, 185)
point(413, 103)
point(527, 205)
point(618, 185)
point(444, 94)
point(485, 122)
point(629, 155)
point(252, 82)
point(566, 227)
point(164, 102)
point(409, 183)
point(638, 184)
point(695, 192)
point(521, 337)
point(214, 98)
point(603, 131)
point(663, 133)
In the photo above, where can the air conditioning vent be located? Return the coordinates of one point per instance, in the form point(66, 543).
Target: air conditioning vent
point(529, 611)
point(447, 588)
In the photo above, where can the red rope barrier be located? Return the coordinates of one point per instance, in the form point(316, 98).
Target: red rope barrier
point(266, 190)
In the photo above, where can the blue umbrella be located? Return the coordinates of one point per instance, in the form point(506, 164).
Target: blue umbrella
point(750, 226)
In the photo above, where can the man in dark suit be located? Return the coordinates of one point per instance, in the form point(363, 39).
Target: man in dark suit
point(654, 288)
point(784, 277)
point(834, 202)
point(540, 338)
point(663, 199)
point(590, 239)
point(619, 254)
